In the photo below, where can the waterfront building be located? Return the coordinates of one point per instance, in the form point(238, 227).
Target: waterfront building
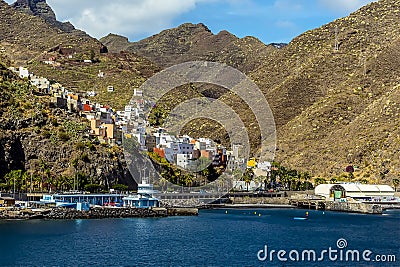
point(144, 197)
point(78, 200)
point(356, 191)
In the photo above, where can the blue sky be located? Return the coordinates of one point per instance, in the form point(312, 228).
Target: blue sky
point(268, 20)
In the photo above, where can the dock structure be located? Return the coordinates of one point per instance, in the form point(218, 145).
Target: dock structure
point(343, 206)
point(308, 203)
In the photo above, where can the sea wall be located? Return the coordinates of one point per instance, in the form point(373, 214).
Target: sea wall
point(94, 213)
point(353, 207)
point(100, 213)
point(183, 211)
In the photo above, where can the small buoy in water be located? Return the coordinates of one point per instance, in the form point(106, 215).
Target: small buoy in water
point(323, 212)
point(259, 214)
point(226, 212)
point(255, 212)
point(306, 213)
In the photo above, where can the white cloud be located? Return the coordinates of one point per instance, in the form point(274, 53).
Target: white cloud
point(344, 5)
point(134, 17)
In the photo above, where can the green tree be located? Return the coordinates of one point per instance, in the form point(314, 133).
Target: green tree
point(319, 181)
point(120, 187)
point(157, 116)
point(82, 180)
point(93, 188)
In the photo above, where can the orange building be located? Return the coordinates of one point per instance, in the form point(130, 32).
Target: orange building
point(159, 151)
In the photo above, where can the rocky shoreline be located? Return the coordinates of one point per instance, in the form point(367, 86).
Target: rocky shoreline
point(94, 213)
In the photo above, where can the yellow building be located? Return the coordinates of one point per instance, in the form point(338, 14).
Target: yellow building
point(251, 163)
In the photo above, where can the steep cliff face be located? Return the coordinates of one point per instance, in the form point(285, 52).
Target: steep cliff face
point(36, 8)
point(41, 9)
point(25, 37)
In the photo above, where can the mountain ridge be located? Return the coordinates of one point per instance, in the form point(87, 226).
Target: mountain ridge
point(333, 107)
point(189, 42)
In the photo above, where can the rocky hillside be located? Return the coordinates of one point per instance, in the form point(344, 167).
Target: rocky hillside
point(190, 42)
point(336, 108)
point(41, 9)
point(333, 107)
point(49, 143)
point(330, 105)
point(31, 36)
point(26, 37)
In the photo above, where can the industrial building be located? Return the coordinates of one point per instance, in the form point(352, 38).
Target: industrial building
point(357, 191)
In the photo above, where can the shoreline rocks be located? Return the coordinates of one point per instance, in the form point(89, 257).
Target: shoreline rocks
point(93, 213)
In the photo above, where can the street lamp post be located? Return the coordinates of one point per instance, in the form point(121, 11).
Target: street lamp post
point(14, 186)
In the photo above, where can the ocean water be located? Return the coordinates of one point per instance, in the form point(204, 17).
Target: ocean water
point(214, 238)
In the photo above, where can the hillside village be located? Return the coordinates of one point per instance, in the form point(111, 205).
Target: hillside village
point(109, 126)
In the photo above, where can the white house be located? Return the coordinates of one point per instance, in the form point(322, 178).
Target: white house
point(182, 160)
point(137, 92)
point(41, 83)
point(91, 93)
point(265, 165)
point(23, 72)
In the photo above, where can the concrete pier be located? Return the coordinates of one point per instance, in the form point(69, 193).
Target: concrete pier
point(322, 204)
point(356, 207)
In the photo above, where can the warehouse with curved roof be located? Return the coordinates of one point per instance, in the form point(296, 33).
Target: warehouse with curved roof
point(354, 190)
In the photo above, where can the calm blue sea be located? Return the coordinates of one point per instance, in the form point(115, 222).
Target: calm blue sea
point(214, 238)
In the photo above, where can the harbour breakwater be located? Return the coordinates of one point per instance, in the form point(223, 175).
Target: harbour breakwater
point(94, 213)
point(354, 207)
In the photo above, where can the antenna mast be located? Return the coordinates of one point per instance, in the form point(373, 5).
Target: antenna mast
point(336, 38)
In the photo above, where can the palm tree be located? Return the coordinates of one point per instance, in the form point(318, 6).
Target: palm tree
point(188, 180)
point(248, 177)
point(43, 167)
point(48, 179)
point(14, 179)
point(162, 182)
point(306, 177)
point(396, 183)
point(74, 164)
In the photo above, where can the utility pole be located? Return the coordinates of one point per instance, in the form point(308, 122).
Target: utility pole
point(336, 38)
